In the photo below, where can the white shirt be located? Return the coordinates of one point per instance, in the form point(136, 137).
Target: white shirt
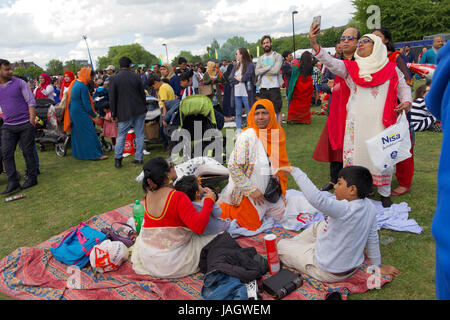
point(239, 89)
point(268, 82)
point(351, 226)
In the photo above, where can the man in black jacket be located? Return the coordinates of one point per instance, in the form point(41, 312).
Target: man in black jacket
point(128, 108)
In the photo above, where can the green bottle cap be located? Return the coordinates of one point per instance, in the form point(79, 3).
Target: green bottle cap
point(137, 201)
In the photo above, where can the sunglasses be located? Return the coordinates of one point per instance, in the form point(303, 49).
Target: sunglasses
point(363, 41)
point(171, 165)
point(349, 38)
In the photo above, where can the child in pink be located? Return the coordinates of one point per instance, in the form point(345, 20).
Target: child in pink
point(109, 127)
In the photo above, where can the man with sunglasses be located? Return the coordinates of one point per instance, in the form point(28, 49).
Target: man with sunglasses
point(323, 151)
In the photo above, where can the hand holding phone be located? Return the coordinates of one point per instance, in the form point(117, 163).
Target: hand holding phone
point(314, 31)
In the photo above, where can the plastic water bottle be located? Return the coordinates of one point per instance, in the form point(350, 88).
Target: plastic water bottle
point(138, 215)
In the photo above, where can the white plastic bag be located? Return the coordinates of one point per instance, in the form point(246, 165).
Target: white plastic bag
point(108, 256)
point(298, 213)
point(390, 146)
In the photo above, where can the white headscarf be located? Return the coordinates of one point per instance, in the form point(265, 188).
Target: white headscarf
point(375, 62)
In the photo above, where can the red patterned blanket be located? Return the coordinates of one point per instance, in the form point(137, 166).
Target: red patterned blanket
point(32, 273)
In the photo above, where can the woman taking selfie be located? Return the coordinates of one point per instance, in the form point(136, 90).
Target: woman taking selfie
point(374, 83)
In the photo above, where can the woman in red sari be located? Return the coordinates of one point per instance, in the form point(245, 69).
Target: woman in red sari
point(301, 90)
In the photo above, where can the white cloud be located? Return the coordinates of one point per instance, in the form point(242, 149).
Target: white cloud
point(41, 30)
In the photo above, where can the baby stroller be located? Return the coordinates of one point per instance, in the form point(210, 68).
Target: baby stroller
point(152, 122)
point(49, 127)
point(198, 130)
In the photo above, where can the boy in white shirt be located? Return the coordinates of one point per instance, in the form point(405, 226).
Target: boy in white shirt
point(332, 250)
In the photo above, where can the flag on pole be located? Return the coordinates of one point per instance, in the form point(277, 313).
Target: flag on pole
point(217, 55)
point(257, 51)
point(160, 59)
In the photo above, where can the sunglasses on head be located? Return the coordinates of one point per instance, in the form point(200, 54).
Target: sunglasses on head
point(349, 38)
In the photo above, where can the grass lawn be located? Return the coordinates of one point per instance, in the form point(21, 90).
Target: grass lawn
point(71, 191)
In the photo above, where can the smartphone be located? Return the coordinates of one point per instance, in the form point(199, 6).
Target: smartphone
point(317, 20)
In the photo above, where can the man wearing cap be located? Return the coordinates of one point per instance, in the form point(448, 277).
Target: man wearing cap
point(109, 71)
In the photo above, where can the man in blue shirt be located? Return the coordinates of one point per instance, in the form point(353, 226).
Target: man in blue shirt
point(429, 57)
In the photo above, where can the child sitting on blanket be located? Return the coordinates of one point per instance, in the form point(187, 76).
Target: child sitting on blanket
point(332, 250)
point(195, 192)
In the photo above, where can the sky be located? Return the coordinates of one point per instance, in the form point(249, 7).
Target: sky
point(41, 30)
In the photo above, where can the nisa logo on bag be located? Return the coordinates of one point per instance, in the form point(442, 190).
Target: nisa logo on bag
point(391, 138)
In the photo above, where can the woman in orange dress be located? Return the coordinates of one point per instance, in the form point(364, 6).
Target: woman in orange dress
point(259, 150)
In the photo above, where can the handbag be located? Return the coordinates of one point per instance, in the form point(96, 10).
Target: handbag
point(125, 233)
point(76, 246)
point(273, 189)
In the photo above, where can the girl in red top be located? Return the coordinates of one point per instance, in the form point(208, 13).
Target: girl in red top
point(170, 240)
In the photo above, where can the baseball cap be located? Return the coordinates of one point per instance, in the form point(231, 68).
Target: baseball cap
point(110, 67)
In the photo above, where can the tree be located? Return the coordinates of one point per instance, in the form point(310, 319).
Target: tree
point(135, 52)
point(73, 65)
point(229, 47)
point(330, 36)
point(30, 72)
point(407, 20)
point(188, 56)
point(55, 67)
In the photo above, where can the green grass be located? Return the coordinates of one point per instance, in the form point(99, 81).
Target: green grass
point(71, 191)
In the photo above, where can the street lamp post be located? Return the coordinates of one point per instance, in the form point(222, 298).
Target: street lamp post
point(167, 52)
point(293, 32)
point(89, 53)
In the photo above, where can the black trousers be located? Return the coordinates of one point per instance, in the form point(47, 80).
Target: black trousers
point(274, 95)
point(24, 134)
point(335, 167)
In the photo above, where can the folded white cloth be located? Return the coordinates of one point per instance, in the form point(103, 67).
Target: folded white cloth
point(301, 215)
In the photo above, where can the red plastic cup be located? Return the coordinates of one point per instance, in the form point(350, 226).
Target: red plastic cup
point(272, 253)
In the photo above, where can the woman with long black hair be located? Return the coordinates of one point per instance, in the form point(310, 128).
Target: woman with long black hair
point(241, 80)
point(301, 89)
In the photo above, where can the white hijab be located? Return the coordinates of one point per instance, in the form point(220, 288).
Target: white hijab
point(375, 62)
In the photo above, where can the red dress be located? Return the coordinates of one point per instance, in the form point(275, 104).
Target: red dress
point(300, 105)
point(180, 212)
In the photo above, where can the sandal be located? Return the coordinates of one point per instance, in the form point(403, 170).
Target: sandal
point(395, 193)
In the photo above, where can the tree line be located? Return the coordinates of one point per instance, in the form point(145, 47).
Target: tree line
point(407, 20)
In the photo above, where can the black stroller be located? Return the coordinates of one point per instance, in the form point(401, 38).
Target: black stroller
point(49, 127)
point(198, 131)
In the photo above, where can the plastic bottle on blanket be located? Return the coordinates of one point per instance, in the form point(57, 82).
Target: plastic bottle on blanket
point(138, 215)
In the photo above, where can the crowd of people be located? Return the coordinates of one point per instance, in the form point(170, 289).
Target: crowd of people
point(368, 83)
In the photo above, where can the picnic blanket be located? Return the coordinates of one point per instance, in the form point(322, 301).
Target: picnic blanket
point(32, 273)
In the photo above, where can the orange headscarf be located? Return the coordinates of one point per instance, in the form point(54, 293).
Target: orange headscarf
point(273, 139)
point(84, 77)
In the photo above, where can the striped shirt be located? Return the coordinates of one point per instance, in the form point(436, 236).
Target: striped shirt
point(421, 118)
